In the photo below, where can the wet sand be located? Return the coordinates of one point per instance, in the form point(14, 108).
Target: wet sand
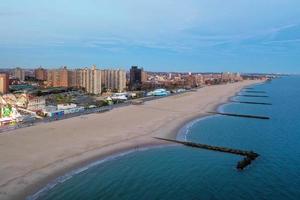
point(31, 157)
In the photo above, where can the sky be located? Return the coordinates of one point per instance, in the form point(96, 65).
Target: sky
point(159, 35)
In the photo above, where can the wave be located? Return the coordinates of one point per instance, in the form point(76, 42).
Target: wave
point(187, 128)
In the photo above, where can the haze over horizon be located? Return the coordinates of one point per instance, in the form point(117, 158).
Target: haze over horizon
point(171, 35)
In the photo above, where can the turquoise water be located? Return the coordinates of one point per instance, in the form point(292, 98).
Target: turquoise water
point(178, 172)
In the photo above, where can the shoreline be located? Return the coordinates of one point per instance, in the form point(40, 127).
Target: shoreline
point(61, 167)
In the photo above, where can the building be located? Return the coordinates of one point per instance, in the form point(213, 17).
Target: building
point(50, 74)
point(73, 78)
point(113, 79)
point(70, 108)
point(19, 74)
point(231, 77)
point(137, 77)
point(63, 77)
point(89, 79)
point(194, 80)
point(4, 83)
point(36, 103)
point(40, 74)
point(58, 77)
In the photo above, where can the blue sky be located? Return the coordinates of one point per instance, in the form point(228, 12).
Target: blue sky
point(160, 35)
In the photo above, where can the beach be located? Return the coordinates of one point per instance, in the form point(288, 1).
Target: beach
point(33, 156)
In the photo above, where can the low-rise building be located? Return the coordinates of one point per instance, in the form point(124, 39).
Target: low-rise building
point(36, 103)
point(70, 108)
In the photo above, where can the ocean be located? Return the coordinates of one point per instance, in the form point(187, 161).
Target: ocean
point(179, 172)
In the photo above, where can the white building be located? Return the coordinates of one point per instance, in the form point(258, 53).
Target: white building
point(113, 79)
point(69, 108)
point(90, 80)
point(19, 74)
point(36, 103)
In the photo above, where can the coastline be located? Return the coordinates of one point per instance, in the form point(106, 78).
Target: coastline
point(31, 182)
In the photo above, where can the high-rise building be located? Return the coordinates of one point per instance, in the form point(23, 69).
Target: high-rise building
point(58, 77)
point(4, 83)
point(50, 77)
point(113, 79)
point(230, 77)
point(72, 78)
point(40, 74)
point(19, 74)
point(89, 79)
point(63, 77)
point(137, 76)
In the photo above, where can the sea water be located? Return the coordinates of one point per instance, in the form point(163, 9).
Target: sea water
point(179, 172)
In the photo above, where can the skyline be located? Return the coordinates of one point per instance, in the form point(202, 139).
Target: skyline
point(248, 36)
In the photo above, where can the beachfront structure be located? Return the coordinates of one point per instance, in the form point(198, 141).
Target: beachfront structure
point(113, 79)
point(62, 109)
point(19, 73)
point(119, 96)
point(4, 83)
point(158, 92)
point(8, 112)
point(69, 108)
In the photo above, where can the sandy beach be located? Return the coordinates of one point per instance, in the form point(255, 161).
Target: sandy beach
point(31, 157)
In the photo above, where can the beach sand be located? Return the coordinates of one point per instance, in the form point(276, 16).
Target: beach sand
point(31, 157)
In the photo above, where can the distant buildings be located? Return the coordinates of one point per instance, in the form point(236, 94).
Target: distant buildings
point(231, 77)
point(92, 80)
point(63, 79)
point(113, 79)
point(194, 80)
point(137, 77)
point(4, 83)
point(89, 79)
point(58, 77)
point(95, 81)
point(19, 73)
point(40, 74)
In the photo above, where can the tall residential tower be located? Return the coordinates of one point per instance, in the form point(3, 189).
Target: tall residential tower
point(113, 79)
point(4, 83)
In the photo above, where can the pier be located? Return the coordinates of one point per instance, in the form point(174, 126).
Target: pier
point(249, 95)
point(249, 155)
point(241, 115)
point(251, 102)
